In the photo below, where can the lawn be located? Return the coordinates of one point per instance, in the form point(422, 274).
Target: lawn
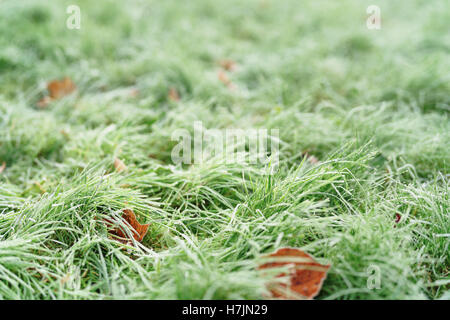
point(362, 181)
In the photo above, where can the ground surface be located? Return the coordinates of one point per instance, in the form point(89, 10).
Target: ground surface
point(371, 106)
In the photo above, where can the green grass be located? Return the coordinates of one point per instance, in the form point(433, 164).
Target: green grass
point(372, 106)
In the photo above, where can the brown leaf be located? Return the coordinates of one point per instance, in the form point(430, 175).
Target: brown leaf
point(173, 95)
point(305, 274)
point(119, 165)
point(3, 167)
point(60, 88)
point(56, 90)
point(138, 230)
point(227, 64)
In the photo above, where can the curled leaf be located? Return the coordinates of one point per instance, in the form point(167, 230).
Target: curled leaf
point(138, 230)
point(56, 90)
point(60, 88)
point(305, 275)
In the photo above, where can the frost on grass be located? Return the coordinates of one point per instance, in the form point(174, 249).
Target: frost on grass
point(364, 140)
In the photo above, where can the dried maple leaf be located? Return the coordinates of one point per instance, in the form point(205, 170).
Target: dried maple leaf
point(119, 165)
point(60, 88)
point(138, 230)
point(3, 167)
point(305, 274)
point(173, 95)
point(227, 64)
point(56, 90)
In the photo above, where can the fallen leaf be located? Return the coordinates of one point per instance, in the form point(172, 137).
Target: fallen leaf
point(119, 165)
point(60, 88)
point(3, 167)
point(138, 230)
point(173, 95)
point(56, 90)
point(227, 64)
point(305, 274)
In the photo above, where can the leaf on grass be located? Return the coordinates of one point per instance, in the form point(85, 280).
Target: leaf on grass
point(60, 88)
point(3, 167)
point(223, 77)
point(56, 90)
point(119, 165)
point(227, 64)
point(138, 230)
point(173, 95)
point(305, 275)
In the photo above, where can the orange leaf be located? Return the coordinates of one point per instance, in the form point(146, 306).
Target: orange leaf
point(138, 230)
point(119, 165)
point(60, 88)
point(56, 90)
point(173, 95)
point(305, 274)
